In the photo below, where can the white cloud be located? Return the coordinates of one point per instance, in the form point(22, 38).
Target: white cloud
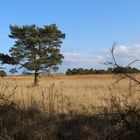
point(82, 58)
point(124, 54)
point(132, 52)
point(122, 49)
point(77, 60)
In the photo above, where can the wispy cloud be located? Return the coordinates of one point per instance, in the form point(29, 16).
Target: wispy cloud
point(131, 52)
point(124, 54)
point(77, 60)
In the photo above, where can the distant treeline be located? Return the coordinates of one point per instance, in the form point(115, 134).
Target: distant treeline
point(81, 71)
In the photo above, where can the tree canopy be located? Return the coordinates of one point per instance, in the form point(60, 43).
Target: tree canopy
point(36, 48)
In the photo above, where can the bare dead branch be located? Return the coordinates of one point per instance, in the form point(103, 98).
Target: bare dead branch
point(121, 71)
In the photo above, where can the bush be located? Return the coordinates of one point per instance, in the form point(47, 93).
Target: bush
point(2, 73)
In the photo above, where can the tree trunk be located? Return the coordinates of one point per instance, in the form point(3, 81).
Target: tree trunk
point(36, 77)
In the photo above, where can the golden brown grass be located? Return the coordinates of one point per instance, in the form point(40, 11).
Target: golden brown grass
point(66, 94)
point(87, 107)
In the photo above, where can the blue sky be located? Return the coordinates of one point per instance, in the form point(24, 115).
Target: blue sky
point(91, 26)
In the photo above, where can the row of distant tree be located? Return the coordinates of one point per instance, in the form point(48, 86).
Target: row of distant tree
point(81, 71)
point(110, 70)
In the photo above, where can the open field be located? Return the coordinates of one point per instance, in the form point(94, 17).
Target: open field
point(87, 107)
point(62, 94)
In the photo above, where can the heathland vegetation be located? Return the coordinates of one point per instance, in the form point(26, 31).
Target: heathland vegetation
point(79, 107)
point(88, 107)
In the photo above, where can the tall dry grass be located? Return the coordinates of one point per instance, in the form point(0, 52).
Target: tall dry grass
point(68, 107)
point(63, 94)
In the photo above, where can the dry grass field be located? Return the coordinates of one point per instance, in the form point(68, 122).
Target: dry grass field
point(86, 107)
point(61, 94)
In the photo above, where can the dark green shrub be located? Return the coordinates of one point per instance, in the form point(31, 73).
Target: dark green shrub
point(2, 73)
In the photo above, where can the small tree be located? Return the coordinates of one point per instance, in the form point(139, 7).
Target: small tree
point(36, 49)
point(2, 73)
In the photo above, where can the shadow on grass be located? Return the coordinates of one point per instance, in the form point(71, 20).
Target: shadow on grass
point(31, 124)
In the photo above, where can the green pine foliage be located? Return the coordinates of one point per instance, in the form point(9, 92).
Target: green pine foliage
point(36, 49)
